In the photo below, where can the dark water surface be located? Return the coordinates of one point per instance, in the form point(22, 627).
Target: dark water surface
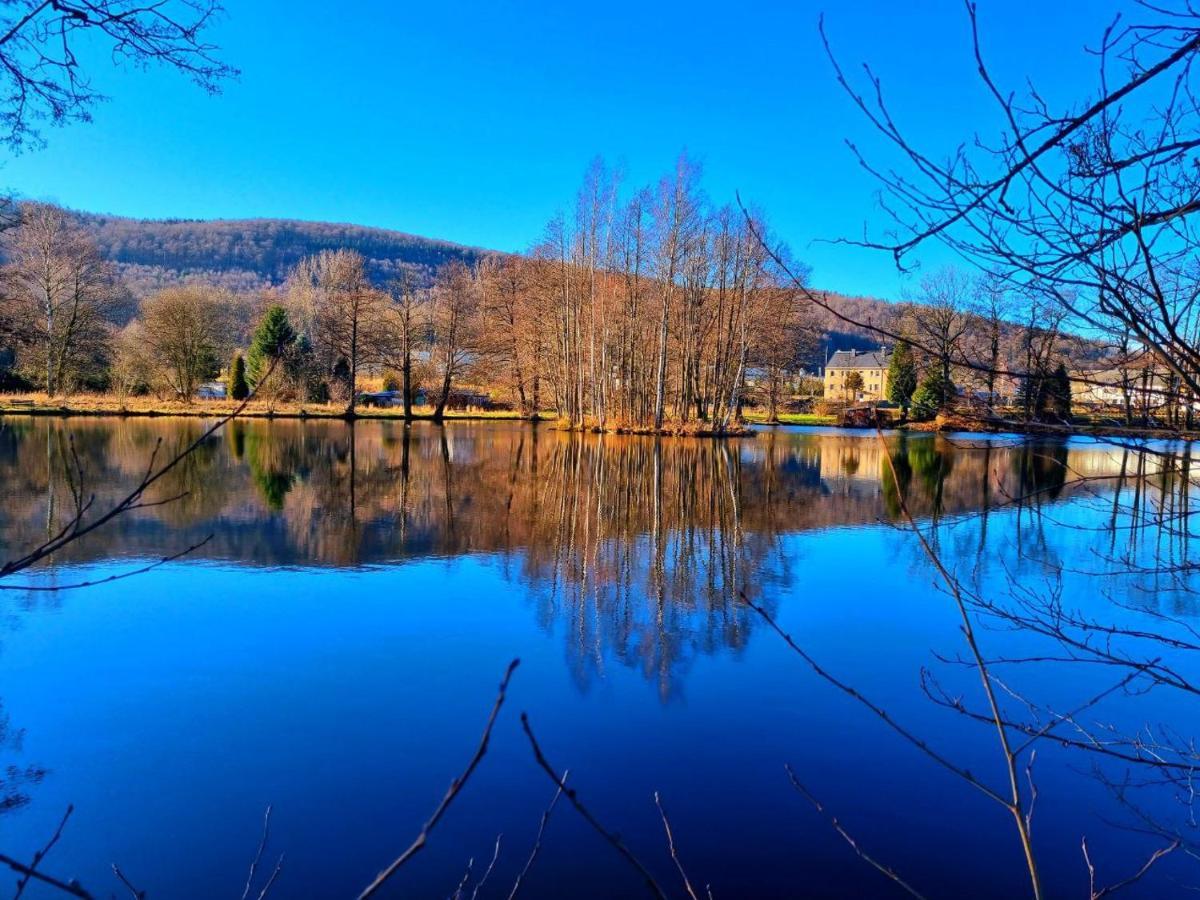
point(334, 647)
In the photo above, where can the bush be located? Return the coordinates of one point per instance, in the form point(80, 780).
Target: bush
point(12, 382)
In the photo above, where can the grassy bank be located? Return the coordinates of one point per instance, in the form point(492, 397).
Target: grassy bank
point(1080, 426)
point(759, 418)
point(110, 405)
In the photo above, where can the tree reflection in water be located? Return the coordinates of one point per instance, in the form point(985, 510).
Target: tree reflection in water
point(632, 550)
point(637, 545)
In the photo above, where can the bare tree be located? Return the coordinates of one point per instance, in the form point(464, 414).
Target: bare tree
point(403, 330)
point(59, 297)
point(343, 313)
point(676, 219)
point(186, 337)
point(453, 326)
point(1092, 207)
point(42, 75)
point(940, 320)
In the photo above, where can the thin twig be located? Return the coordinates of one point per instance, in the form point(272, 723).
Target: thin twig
point(41, 854)
point(262, 846)
point(271, 881)
point(488, 871)
point(687, 884)
point(72, 887)
point(537, 843)
point(1121, 885)
point(137, 895)
point(1014, 804)
point(462, 882)
point(849, 838)
point(118, 577)
point(613, 839)
point(453, 791)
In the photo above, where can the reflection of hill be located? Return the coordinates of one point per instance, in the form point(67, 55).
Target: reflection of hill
point(637, 546)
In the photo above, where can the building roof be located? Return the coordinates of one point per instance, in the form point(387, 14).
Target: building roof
point(859, 359)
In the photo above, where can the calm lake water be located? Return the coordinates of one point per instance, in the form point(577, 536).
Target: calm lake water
point(334, 647)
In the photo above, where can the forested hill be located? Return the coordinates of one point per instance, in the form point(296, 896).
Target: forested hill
point(246, 255)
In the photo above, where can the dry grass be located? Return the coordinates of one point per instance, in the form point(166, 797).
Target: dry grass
point(669, 429)
point(759, 416)
point(113, 405)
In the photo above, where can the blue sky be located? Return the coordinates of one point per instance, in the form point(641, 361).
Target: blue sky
point(474, 121)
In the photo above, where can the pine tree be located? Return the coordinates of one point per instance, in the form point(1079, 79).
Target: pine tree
point(272, 339)
point(902, 375)
point(238, 388)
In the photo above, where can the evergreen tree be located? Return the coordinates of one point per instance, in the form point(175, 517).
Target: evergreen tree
point(1057, 401)
point(273, 338)
point(1031, 395)
point(902, 375)
point(238, 388)
point(928, 398)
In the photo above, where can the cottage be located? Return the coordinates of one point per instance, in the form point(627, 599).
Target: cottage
point(872, 368)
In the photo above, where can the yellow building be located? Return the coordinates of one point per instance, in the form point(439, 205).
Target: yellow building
point(871, 366)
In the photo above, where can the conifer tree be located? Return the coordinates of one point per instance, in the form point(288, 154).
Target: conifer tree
point(902, 375)
point(928, 398)
point(238, 388)
point(272, 339)
point(1058, 395)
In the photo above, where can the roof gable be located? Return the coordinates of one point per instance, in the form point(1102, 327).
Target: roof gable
point(859, 359)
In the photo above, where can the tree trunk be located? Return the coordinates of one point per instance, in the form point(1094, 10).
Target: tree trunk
point(406, 385)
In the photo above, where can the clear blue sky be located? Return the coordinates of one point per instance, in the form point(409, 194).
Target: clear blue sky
point(474, 121)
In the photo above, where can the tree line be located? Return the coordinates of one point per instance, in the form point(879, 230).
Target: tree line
point(652, 310)
point(646, 311)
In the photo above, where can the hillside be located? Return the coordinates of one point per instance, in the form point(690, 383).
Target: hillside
point(247, 255)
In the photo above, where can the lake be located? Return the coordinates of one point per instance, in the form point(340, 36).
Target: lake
point(333, 646)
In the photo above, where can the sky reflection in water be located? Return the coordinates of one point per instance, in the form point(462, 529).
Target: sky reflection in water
point(335, 646)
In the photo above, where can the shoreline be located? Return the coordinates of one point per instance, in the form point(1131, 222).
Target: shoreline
point(101, 407)
point(95, 407)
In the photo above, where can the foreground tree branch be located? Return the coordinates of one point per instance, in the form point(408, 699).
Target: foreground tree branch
point(612, 838)
point(42, 77)
point(453, 791)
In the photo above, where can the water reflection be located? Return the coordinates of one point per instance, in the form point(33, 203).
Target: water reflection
point(640, 545)
point(427, 551)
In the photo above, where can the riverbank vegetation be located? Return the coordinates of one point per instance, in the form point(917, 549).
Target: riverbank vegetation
point(650, 310)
